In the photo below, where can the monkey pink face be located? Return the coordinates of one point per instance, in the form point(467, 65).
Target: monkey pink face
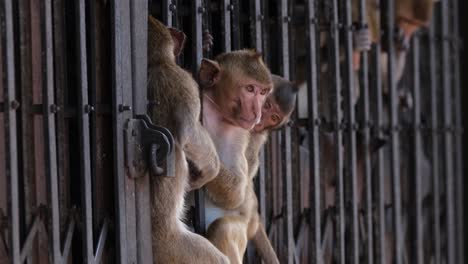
point(246, 105)
point(272, 116)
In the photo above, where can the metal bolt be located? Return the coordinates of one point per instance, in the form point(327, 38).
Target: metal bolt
point(317, 121)
point(230, 7)
point(54, 108)
point(201, 10)
point(15, 104)
point(172, 7)
point(287, 19)
point(88, 108)
point(123, 108)
point(261, 17)
point(343, 125)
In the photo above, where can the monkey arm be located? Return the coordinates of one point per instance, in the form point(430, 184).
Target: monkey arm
point(202, 156)
point(228, 189)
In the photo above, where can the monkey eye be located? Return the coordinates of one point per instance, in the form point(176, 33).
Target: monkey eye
point(264, 91)
point(275, 118)
point(267, 105)
point(250, 88)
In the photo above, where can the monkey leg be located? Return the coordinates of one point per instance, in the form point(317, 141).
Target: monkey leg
point(172, 242)
point(185, 247)
point(229, 235)
point(263, 245)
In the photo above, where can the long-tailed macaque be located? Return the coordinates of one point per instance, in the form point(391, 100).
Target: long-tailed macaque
point(236, 85)
point(175, 95)
point(231, 232)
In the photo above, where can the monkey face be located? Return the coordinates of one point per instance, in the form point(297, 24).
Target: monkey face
point(272, 116)
point(245, 106)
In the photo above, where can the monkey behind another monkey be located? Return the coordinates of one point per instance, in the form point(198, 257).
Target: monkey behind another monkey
point(177, 107)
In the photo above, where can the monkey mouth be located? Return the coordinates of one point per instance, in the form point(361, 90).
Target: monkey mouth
point(247, 123)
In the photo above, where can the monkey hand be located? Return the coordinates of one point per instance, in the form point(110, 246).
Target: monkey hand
point(362, 39)
point(207, 41)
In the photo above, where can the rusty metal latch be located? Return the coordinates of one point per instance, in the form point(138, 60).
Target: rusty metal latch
point(148, 147)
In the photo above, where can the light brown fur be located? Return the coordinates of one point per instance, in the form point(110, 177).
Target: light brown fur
point(231, 233)
point(177, 107)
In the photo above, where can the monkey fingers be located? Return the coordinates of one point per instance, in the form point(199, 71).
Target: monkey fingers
point(362, 39)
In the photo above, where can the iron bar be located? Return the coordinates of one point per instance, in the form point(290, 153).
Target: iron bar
point(197, 52)
point(10, 128)
point(285, 20)
point(84, 138)
point(313, 127)
point(366, 127)
point(68, 240)
point(389, 26)
point(227, 9)
point(121, 96)
point(447, 136)
point(48, 98)
point(102, 243)
point(379, 118)
point(28, 242)
point(435, 142)
point(334, 61)
point(459, 182)
point(139, 38)
point(417, 149)
point(351, 130)
point(235, 24)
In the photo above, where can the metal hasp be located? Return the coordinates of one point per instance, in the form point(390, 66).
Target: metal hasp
point(147, 146)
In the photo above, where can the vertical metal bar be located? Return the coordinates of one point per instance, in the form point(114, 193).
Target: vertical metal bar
point(139, 27)
point(313, 127)
point(448, 140)
point(258, 27)
point(28, 54)
point(334, 40)
point(235, 24)
point(388, 15)
point(83, 125)
point(227, 8)
point(459, 182)
point(351, 131)
point(417, 149)
point(286, 133)
point(379, 118)
point(197, 13)
point(364, 84)
point(121, 99)
point(434, 142)
point(49, 124)
point(10, 127)
point(168, 7)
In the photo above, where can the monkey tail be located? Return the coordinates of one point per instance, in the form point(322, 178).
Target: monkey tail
point(264, 247)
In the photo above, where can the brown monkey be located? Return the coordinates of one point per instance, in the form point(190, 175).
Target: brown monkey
point(231, 232)
point(235, 87)
point(175, 94)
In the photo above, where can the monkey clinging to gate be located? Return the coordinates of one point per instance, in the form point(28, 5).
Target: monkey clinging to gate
point(231, 232)
point(177, 107)
point(235, 87)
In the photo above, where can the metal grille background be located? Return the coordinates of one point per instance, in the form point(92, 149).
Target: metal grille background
point(73, 72)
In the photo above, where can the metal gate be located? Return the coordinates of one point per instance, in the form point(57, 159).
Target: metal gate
point(73, 77)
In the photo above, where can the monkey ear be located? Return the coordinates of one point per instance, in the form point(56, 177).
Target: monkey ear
point(179, 40)
point(209, 73)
